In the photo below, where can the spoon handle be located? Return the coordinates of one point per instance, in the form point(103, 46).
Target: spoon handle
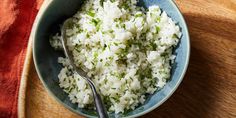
point(101, 110)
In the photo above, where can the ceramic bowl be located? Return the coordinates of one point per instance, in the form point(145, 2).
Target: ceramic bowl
point(54, 12)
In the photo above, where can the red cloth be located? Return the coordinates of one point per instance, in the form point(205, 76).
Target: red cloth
point(16, 19)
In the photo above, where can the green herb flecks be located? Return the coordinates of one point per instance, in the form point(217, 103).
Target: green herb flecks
point(175, 36)
point(121, 61)
point(153, 45)
point(96, 22)
point(125, 6)
point(112, 1)
point(123, 26)
point(77, 48)
point(95, 55)
point(157, 29)
point(158, 19)
point(138, 15)
point(101, 2)
point(145, 73)
point(116, 99)
point(123, 52)
point(91, 13)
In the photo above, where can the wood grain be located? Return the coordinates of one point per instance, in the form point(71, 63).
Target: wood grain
point(209, 87)
point(40, 104)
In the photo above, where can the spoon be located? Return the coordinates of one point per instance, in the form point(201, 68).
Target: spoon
point(100, 108)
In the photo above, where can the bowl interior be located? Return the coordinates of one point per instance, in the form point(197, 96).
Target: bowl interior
point(45, 57)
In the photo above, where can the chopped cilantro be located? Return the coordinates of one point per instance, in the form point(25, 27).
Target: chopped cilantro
point(101, 2)
point(91, 13)
point(125, 5)
point(116, 99)
point(138, 15)
point(116, 44)
point(154, 45)
point(87, 35)
point(122, 61)
point(158, 19)
point(104, 47)
point(157, 29)
point(123, 26)
point(95, 21)
point(112, 0)
point(175, 36)
point(95, 55)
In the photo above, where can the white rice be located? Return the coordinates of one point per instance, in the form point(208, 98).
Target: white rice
point(125, 49)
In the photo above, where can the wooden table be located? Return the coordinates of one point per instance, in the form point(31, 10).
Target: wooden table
point(209, 87)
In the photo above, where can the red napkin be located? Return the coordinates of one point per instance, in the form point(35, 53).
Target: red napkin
point(16, 19)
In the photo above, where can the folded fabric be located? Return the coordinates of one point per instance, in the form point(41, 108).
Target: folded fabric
point(16, 19)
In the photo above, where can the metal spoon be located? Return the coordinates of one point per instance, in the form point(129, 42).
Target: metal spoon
point(101, 110)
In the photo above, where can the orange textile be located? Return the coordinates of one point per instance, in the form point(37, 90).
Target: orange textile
point(16, 19)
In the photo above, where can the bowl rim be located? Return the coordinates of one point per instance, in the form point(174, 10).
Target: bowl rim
point(38, 18)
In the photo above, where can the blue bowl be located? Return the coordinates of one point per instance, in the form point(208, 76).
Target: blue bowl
point(55, 12)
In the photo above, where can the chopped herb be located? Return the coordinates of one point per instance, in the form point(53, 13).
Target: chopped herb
point(95, 22)
point(80, 30)
point(91, 13)
point(126, 111)
point(122, 75)
point(116, 20)
point(175, 36)
point(106, 100)
point(116, 44)
point(139, 44)
point(129, 43)
point(147, 72)
point(98, 26)
point(107, 64)
point(151, 14)
point(123, 53)
point(157, 29)
point(101, 2)
point(131, 78)
point(77, 47)
point(111, 31)
point(138, 15)
point(117, 25)
point(154, 45)
point(125, 6)
point(110, 58)
point(158, 19)
point(122, 61)
point(164, 54)
point(123, 26)
point(95, 55)
point(87, 35)
point(116, 99)
point(104, 47)
point(105, 81)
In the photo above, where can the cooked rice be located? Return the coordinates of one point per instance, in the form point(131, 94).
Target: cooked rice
point(125, 49)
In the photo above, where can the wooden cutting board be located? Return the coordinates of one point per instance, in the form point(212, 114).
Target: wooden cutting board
point(208, 89)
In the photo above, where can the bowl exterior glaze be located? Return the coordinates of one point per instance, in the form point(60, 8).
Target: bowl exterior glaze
point(45, 57)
